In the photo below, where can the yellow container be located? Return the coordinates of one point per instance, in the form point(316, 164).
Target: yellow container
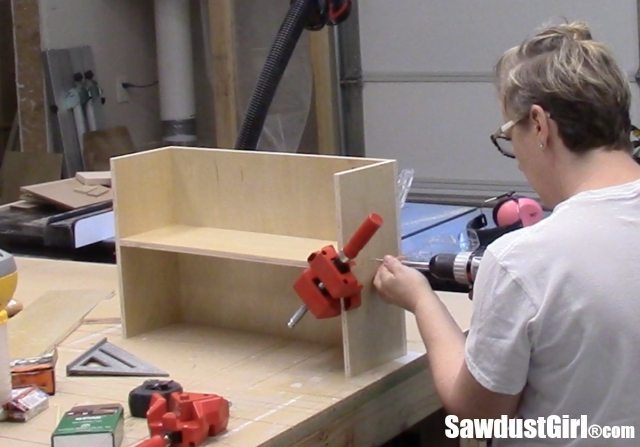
point(8, 280)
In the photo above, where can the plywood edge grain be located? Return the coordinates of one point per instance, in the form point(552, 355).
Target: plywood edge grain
point(374, 333)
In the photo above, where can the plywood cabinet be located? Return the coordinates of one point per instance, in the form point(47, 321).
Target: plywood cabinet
point(218, 237)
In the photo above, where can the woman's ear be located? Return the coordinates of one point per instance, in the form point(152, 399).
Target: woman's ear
point(540, 121)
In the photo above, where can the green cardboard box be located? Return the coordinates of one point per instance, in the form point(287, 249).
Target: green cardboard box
point(90, 425)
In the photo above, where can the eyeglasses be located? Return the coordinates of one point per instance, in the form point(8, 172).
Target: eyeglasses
point(502, 141)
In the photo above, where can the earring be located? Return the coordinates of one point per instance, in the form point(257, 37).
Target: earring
point(541, 146)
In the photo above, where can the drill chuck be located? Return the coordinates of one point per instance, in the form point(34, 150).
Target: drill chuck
point(460, 268)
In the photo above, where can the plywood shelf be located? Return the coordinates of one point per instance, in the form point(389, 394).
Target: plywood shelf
point(219, 237)
point(230, 244)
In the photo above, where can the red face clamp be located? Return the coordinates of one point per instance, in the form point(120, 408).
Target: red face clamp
point(186, 420)
point(329, 278)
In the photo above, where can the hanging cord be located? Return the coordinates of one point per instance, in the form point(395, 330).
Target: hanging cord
point(272, 72)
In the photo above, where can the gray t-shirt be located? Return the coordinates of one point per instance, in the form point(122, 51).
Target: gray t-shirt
point(557, 314)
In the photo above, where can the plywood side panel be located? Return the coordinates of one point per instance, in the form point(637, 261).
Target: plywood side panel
point(148, 289)
point(248, 296)
point(143, 197)
point(374, 333)
point(258, 191)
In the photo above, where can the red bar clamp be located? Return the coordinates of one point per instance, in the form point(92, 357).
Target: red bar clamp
point(329, 278)
point(186, 420)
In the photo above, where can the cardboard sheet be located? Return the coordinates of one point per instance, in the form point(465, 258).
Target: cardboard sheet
point(67, 194)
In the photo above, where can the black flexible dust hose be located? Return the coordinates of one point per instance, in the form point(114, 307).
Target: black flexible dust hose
point(274, 67)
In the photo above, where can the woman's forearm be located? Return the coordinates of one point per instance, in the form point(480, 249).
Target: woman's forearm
point(444, 341)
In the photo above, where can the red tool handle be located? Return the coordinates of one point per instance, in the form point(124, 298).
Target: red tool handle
point(154, 441)
point(339, 11)
point(362, 235)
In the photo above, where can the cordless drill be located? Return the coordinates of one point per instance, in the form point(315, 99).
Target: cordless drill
point(451, 272)
point(454, 271)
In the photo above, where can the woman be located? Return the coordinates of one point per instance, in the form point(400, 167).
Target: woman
point(556, 322)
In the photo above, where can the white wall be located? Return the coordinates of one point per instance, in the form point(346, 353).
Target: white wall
point(442, 129)
point(122, 36)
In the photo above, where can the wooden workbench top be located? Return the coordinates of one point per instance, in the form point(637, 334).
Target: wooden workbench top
point(282, 392)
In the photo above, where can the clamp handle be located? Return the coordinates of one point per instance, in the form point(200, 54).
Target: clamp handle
point(363, 234)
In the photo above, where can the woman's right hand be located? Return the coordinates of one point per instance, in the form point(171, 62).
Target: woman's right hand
point(400, 285)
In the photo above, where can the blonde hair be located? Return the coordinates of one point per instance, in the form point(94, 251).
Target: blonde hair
point(575, 79)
